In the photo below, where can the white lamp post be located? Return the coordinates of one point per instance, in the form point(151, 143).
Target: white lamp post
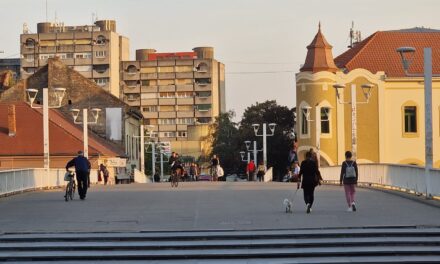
point(59, 95)
point(264, 135)
point(142, 148)
point(366, 89)
point(427, 75)
point(75, 113)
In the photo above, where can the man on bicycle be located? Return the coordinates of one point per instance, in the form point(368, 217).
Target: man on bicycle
point(175, 162)
point(82, 169)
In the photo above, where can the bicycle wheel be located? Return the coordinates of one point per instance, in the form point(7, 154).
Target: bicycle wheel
point(71, 190)
point(67, 195)
point(172, 179)
point(177, 180)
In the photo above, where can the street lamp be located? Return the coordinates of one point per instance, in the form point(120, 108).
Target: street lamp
point(407, 55)
point(75, 113)
point(59, 95)
point(264, 135)
point(149, 134)
point(366, 90)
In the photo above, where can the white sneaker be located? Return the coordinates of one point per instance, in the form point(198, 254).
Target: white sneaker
point(349, 209)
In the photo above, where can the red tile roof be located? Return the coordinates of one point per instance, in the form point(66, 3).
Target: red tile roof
point(319, 55)
point(378, 52)
point(65, 137)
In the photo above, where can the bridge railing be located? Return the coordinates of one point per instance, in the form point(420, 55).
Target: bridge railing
point(15, 181)
point(401, 177)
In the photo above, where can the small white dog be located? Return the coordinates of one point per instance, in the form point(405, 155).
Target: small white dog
point(288, 204)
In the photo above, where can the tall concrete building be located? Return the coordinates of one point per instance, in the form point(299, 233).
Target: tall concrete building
point(93, 50)
point(175, 91)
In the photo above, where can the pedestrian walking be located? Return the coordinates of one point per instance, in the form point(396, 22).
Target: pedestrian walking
point(82, 169)
point(215, 163)
point(250, 170)
point(349, 177)
point(309, 179)
point(261, 171)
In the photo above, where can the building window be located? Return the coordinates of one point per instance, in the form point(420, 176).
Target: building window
point(29, 57)
point(46, 56)
point(410, 116)
point(325, 120)
point(181, 133)
point(131, 83)
point(202, 67)
point(203, 107)
point(100, 68)
point(30, 43)
point(184, 94)
point(203, 120)
point(167, 134)
point(150, 108)
point(166, 82)
point(131, 69)
point(132, 97)
point(101, 81)
point(305, 113)
point(185, 121)
point(167, 95)
point(83, 55)
point(184, 81)
point(84, 68)
point(100, 54)
point(203, 81)
point(167, 121)
point(149, 82)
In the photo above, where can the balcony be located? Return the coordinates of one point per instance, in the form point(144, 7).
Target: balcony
point(83, 48)
point(28, 50)
point(28, 63)
point(185, 88)
point(167, 114)
point(185, 101)
point(166, 75)
point(131, 75)
point(83, 61)
point(204, 113)
point(201, 74)
point(131, 89)
point(69, 62)
point(104, 74)
point(132, 102)
point(203, 100)
point(148, 64)
point(66, 48)
point(47, 49)
point(184, 75)
point(167, 127)
point(149, 89)
point(167, 88)
point(42, 62)
point(184, 62)
point(149, 102)
point(148, 76)
point(185, 114)
point(202, 87)
point(167, 101)
point(150, 114)
point(103, 60)
point(166, 63)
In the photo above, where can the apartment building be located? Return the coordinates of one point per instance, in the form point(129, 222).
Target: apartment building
point(175, 90)
point(93, 50)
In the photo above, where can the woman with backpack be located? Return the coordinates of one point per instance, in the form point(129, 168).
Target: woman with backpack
point(349, 177)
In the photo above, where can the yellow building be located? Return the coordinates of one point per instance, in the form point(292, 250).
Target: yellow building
point(390, 127)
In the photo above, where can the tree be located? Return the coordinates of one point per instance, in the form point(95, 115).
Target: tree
point(278, 146)
point(224, 135)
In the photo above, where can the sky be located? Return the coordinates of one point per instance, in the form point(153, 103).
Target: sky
point(261, 42)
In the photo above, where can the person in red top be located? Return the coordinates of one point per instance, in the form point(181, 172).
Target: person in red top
point(250, 170)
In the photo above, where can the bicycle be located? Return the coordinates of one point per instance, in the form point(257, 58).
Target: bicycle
point(214, 173)
point(175, 177)
point(70, 187)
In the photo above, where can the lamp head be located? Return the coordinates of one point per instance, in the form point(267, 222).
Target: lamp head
point(339, 88)
point(59, 94)
point(406, 54)
point(75, 113)
point(242, 154)
point(95, 113)
point(32, 94)
point(256, 127)
point(272, 127)
point(366, 89)
point(248, 144)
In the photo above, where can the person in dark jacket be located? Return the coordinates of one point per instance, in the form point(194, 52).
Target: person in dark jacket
point(82, 169)
point(349, 177)
point(308, 177)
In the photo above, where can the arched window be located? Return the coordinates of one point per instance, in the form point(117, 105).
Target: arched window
point(131, 69)
point(101, 40)
point(202, 67)
point(30, 43)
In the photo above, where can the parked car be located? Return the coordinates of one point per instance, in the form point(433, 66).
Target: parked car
point(204, 177)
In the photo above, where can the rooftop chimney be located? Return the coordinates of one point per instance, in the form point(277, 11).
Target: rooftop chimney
point(12, 126)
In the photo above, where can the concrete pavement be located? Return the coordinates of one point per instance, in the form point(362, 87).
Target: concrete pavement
point(204, 206)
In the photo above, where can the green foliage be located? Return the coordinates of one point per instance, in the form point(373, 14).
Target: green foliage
point(228, 138)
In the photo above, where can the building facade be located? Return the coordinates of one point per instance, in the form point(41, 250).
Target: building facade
point(390, 124)
point(12, 65)
point(93, 50)
point(175, 91)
